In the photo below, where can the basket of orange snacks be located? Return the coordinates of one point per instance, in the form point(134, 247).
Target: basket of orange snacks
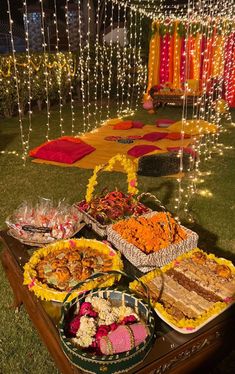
point(151, 240)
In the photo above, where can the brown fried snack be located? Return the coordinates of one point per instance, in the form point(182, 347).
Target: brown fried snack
point(86, 273)
point(89, 262)
point(62, 274)
point(223, 271)
point(199, 258)
point(73, 256)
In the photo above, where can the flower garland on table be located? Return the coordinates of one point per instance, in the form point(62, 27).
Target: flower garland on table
point(187, 324)
point(128, 166)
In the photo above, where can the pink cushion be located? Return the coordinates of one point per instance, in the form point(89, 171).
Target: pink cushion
point(64, 151)
point(137, 125)
point(185, 150)
point(154, 136)
point(140, 150)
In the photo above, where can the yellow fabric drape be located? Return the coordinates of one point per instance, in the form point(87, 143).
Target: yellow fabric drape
point(154, 61)
point(217, 65)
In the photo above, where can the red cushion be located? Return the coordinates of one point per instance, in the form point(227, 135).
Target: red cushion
point(140, 150)
point(161, 121)
point(34, 151)
point(63, 150)
point(137, 125)
point(134, 137)
point(177, 136)
point(154, 136)
point(185, 150)
point(125, 125)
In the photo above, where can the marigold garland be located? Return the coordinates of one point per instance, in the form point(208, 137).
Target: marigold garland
point(187, 324)
point(128, 166)
point(46, 293)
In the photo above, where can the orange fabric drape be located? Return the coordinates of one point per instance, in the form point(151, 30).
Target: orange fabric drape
point(197, 57)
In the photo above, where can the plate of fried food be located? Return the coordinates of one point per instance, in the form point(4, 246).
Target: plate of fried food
point(54, 270)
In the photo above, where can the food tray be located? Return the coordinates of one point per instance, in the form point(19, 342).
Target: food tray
point(144, 262)
point(48, 291)
point(42, 243)
point(101, 230)
point(187, 325)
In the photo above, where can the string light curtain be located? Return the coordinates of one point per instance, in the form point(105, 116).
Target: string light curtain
point(105, 71)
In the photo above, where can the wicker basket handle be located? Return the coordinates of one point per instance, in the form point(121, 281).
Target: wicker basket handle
point(155, 199)
point(129, 168)
point(101, 274)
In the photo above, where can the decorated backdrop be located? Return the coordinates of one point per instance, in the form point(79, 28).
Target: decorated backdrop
point(193, 52)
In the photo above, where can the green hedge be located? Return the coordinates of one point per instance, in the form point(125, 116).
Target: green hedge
point(55, 65)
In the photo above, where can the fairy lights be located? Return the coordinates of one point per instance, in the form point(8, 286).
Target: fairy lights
point(110, 62)
point(102, 63)
point(70, 67)
point(59, 71)
point(44, 45)
point(81, 64)
point(124, 61)
point(116, 65)
point(88, 61)
point(23, 143)
point(26, 21)
point(96, 66)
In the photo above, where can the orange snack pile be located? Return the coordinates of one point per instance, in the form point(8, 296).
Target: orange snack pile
point(150, 234)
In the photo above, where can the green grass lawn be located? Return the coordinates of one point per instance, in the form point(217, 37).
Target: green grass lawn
point(21, 350)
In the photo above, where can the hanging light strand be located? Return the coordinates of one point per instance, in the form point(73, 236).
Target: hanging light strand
point(81, 65)
point(59, 71)
point(29, 71)
point(16, 82)
point(44, 45)
point(68, 20)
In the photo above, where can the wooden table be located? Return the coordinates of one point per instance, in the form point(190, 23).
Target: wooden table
point(162, 100)
point(172, 353)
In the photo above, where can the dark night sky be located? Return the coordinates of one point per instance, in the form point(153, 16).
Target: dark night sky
point(17, 4)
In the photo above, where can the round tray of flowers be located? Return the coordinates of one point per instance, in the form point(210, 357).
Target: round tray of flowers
point(107, 330)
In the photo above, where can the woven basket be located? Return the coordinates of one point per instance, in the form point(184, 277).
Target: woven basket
point(144, 262)
point(100, 229)
point(118, 363)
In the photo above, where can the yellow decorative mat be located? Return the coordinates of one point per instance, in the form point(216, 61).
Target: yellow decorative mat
point(106, 149)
